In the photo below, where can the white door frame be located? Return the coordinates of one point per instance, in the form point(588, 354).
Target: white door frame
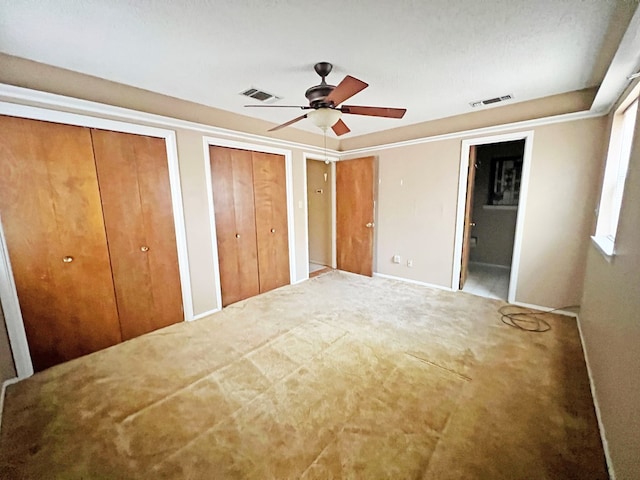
point(333, 160)
point(254, 147)
point(8, 293)
point(527, 136)
point(13, 314)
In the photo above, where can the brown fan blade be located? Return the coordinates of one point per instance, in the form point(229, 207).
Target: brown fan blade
point(340, 128)
point(290, 122)
point(374, 111)
point(347, 88)
point(278, 106)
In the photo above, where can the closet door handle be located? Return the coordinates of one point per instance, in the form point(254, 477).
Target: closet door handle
point(67, 259)
point(369, 225)
point(237, 235)
point(144, 248)
point(273, 230)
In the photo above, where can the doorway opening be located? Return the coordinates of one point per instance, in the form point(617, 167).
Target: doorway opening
point(320, 208)
point(491, 215)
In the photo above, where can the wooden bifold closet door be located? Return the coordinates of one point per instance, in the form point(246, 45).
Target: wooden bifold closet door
point(232, 184)
point(270, 196)
point(136, 201)
point(88, 221)
point(52, 220)
point(250, 205)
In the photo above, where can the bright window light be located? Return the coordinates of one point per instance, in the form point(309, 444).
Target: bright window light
point(615, 174)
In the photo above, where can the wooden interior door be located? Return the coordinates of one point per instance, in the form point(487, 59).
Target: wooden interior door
point(233, 204)
point(355, 215)
point(270, 197)
point(52, 219)
point(133, 174)
point(468, 215)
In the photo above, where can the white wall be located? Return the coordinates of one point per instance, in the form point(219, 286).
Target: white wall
point(610, 324)
point(563, 191)
point(417, 202)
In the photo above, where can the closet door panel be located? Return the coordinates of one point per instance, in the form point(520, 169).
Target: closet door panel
point(52, 219)
point(233, 201)
point(157, 209)
point(136, 200)
point(269, 180)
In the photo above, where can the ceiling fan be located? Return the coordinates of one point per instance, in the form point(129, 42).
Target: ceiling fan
point(324, 101)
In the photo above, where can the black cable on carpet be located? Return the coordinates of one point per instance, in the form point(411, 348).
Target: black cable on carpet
point(529, 320)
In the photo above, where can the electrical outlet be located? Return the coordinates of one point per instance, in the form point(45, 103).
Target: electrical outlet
point(396, 259)
point(410, 263)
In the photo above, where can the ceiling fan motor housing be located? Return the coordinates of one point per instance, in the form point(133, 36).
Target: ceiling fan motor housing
point(318, 93)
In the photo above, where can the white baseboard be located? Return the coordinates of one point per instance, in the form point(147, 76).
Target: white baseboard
point(603, 436)
point(545, 309)
point(484, 264)
point(415, 282)
point(204, 314)
point(318, 262)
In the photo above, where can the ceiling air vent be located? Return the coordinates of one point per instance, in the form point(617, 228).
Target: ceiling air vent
point(260, 95)
point(491, 100)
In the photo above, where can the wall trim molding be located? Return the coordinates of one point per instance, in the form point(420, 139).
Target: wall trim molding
point(485, 264)
point(12, 93)
point(493, 129)
point(205, 314)
point(566, 313)
point(12, 313)
point(596, 404)
point(414, 282)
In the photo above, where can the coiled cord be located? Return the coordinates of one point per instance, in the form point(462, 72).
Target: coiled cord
point(529, 320)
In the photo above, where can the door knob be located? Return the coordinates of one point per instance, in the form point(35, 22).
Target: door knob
point(67, 259)
point(237, 235)
point(273, 230)
point(473, 224)
point(369, 225)
point(144, 248)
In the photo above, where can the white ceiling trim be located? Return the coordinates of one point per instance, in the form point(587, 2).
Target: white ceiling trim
point(502, 128)
point(624, 63)
point(11, 94)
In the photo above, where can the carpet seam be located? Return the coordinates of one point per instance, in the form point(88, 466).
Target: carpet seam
point(235, 412)
point(428, 362)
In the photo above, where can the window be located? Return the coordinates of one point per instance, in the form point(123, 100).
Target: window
point(615, 174)
point(506, 176)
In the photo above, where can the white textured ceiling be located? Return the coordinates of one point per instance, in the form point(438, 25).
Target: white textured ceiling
point(432, 57)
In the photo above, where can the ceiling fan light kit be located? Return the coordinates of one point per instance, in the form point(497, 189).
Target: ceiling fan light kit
point(324, 117)
point(324, 101)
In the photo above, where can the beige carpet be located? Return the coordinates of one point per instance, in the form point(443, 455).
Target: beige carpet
point(338, 377)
